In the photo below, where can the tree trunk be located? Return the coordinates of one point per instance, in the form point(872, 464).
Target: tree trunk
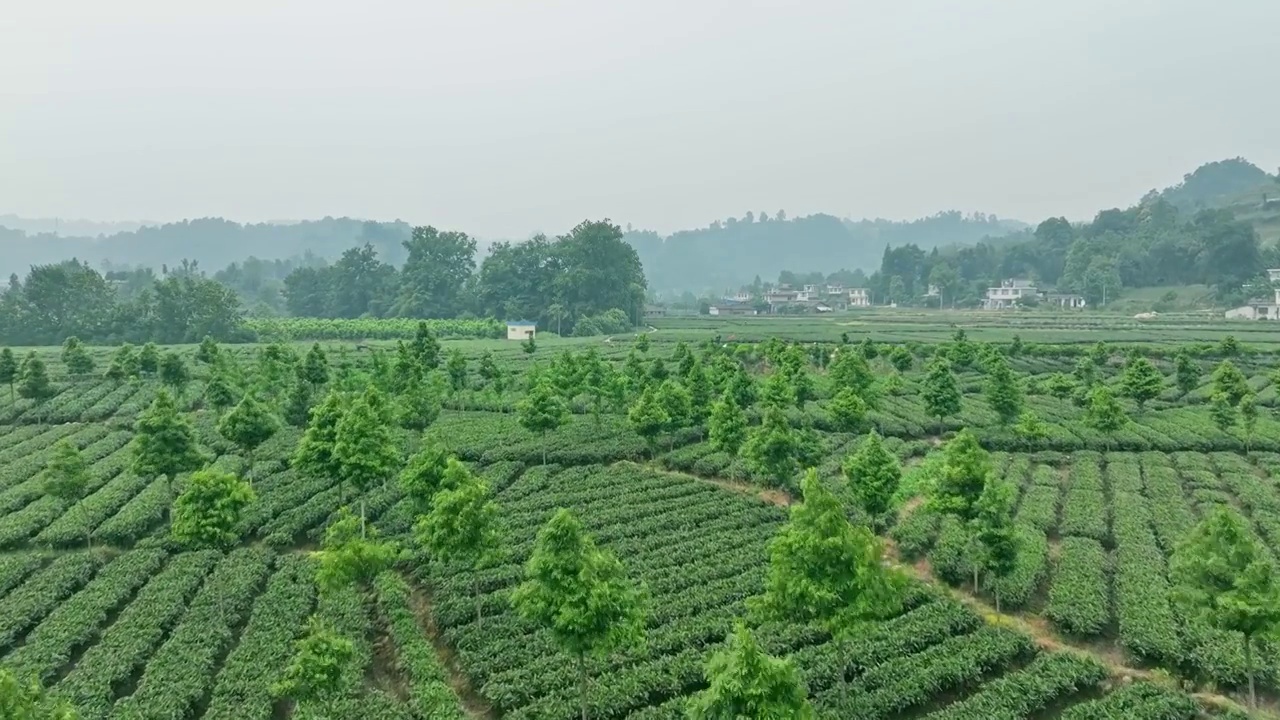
point(996, 589)
point(475, 592)
point(582, 684)
point(249, 471)
point(975, 580)
point(1248, 668)
point(362, 518)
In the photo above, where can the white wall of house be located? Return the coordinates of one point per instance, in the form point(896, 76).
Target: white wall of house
point(521, 331)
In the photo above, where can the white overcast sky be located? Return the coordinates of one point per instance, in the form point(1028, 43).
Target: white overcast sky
point(503, 118)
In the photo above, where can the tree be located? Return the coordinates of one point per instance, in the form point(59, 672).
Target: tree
point(20, 701)
point(420, 403)
point(33, 380)
point(557, 312)
point(850, 370)
point(542, 411)
point(1060, 385)
point(1228, 379)
point(315, 367)
point(580, 594)
point(648, 418)
point(208, 351)
point(940, 392)
point(315, 672)
point(745, 682)
point(1141, 381)
point(1222, 411)
point(1186, 372)
point(124, 364)
point(462, 527)
point(1222, 575)
point(873, 474)
point(424, 476)
point(8, 370)
point(66, 476)
point(249, 424)
point(772, 449)
point(1248, 418)
point(848, 411)
point(642, 342)
point(217, 392)
point(75, 357)
point(173, 371)
point(457, 369)
point(164, 443)
point(699, 387)
point(901, 359)
point(149, 359)
point(435, 273)
point(777, 391)
point(364, 447)
point(676, 403)
point(297, 403)
point(994, 532)
point(965, 469)
point(425, 347)
point(314, 457)
point(1003, 393)
point(207, 513)
point(727, 428)
point(823, 569)
point(529, 345)
point(1103, 411)
point(1030, 427)
point(351, 554)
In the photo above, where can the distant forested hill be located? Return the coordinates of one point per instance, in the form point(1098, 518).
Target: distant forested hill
point(731, 253)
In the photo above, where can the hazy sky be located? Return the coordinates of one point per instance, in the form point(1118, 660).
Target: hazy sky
point(502, 118)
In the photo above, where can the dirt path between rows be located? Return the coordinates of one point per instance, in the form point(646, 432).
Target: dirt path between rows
point(473, 704)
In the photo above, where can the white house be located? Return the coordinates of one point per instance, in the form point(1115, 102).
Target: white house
point(521, 329)
point(1259, 308)
point(1008, 294)
point(859, 297)
point(1066, 301)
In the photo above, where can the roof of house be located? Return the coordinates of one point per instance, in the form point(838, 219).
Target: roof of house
point(521, 323)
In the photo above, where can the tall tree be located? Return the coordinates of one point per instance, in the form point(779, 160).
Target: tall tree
point(1248, 418)
point(173, 371)
point(873, 474)
point(542, 411)
point(745, 682)
point(149, 359)
point(207, 513)
point(773, 449)
point(124, 364)
point(297, 403)
point(580, 594)
point(75, 357)
point(677, 405)
point(462, 527)
point(994, 533)
point(249, 424)
point(314, 674)
point(435, 274)
point(33, 380)
point(1228, 379)
point(425, 347)
point(419, 404)
point(8, 370)
point(1103, 411)
point(823, 569)
point(1222, 411)
point(941, 394)
point(1186, 372)
point(164, 443)
point(66, 476)
point(848, 411)
point(456, 366)
point(424, 476)
point(728, 425)
point(315, 368)
point(965, 469)
point(1225, 577)
point(1141, 381)
point(1003, 393)
point(351, 554)
point(364, 447)
point(648, 418)
point(850, 370)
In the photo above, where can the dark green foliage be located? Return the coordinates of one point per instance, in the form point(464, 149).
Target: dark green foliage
point(1003, 393)
point(746, 682)
point(208, 351)
point(965, 470)
point(1186, 372)
point(728, 425)
point(1228, 379)
point(33, 380)
point(315, 367)
point(249, 424)
point(848, 411)
point(8, 369)
point(1141, 381)
point(75, 357)
point(124, 364)
point(207, 512)
point(873, 474)
point(149, 359)
point(314, 457)
point(173, 370)
point(773, 449)
point(940, 393)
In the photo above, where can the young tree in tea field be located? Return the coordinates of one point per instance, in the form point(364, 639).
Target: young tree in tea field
point(315, 367)
point(742, 386)
point(642, 342)
point(8, 370)
point(33, 380)
point(676, 403)
point(20, 700)
point(1228, 379)
point(297, 403)
point(462, 527)
point(772, 449)
point(1003, 392)
point(218, 393)
point(173, 370)
point(901, 358)
point(488, 370)
point(124, 364)
point(542, 411)
point(1222, 411)
point(1224, 576)
point(965, 469)
point(1030, 427)
point(869, 349)
point(208, 511)
point(351, 553)
point(940, 393)
point(75, 357)
point(1248, 418)
point(247, 425)
point(529, 345)
point(700, 391)
point(848, 411)
point(1229, 346)
point(314, 456)
point(648, 418)
point(407, 370)
point(164, 443)
point(995, 537)
point(873, 474)
point(1186, 372)
point(425, 347)
point(580, 594)
point(823, 569)
point(658, 371)
point(743, 681)
point(850, 370)
point(314, 674)
point(208, 351)
point(1103, 411)
point(424, 476)
point(1141, 381)
point(456, 366)
point(66, 476)
point(1060, 385)
point(149, 359)
point(727, 428)
point(777, 391)
point(364, 447)
point(419, 404)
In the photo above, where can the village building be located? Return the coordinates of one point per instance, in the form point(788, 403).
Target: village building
point(521, 329)
point(1009, 293)
point(859, 297)
point(1262, 308)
